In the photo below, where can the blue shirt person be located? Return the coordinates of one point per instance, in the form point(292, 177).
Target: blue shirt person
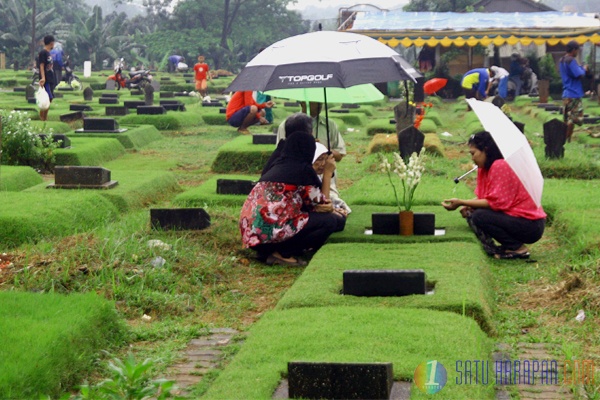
point(173, 61)
point(475, 83)
point(571, 74)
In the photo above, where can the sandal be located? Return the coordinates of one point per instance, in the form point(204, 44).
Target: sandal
point(274, 260)
point(512, 255)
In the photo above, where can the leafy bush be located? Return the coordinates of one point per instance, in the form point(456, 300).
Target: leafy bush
point(22, 146)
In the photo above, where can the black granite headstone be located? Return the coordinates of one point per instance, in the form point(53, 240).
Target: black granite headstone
point(108, 100)
point(165, 78)
point(100, 125)
point(291, 104)
point(234, 186)
point(404, 115)
point(19, 89)
point(179, 218)
point(313, 380)
point(267, 138)
point(222, 110)
point(188, 75)
point(410, 140)
point(340, 111)
point(591, 120)
point(520, 125)
point(166, 95)
point(70, 117)
point(498, 101)
point(114, 111)
point(80, 107)
point(180, 94)
point(211, 104)
point(555, 136)
point(88, 94)
point(65, 89)
point(424, 223)
point(110, 95)
point(350, 105)
point(164, 102)
point(31, 100)
point(151, 110)
point(133, 103)
point(385, 223)
point(77, 177)
point(373, 283)
point(63, 140)
point(174, 107)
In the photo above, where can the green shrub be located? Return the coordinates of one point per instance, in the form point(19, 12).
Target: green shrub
point(89, 151)
point(50, 341)
point(14, 179)
point(240, 155)
point(52, 213)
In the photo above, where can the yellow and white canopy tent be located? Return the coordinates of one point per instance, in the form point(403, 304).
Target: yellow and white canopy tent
point(446, 29)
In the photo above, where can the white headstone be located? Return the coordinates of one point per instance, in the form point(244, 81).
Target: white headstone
point(87, 69)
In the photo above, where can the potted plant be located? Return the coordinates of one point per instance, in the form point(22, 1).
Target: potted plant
point(409, 175)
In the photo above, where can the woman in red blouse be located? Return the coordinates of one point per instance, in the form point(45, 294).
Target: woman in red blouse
point(503, 209)
point(286, 213)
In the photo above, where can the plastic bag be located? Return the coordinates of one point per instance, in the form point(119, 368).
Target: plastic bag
point(182, 66)
point(42, 99)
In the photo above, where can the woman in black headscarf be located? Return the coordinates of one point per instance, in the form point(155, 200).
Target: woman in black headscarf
point(286, 213)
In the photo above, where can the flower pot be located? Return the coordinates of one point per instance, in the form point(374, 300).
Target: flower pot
point(406, 223)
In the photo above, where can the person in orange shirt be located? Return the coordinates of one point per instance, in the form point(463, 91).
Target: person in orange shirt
point(243, 111)
point(201, 70)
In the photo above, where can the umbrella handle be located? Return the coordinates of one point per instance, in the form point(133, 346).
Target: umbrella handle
point(459, 178)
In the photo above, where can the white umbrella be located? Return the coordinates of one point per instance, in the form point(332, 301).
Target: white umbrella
point(323, 59)
point(513, 145)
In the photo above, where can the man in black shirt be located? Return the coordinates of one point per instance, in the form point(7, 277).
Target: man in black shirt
point(45, 65)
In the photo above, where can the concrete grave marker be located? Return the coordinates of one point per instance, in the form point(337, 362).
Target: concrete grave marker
point(313, 380)
point(149, 95)
point(179, 218)
point(410, 140)
point(110, 95)
point(555, 137)
point(419, 91)
point(234, 186)
point(424, 223)
point(108, 100)
point(19, 89)
point(113, 111)
point(222, 110)
point(174, 107)
point(110, 85)
point(371, 283)
point(77, 177)
point(404, 115)
point(88, 94)
point(340, 111)
point(134, 103)
point(136, 92)
point(385, 223)
point(350, 105)
point(211, 104)
point(166, 95)
point(71, 117)
point(63, 140)
point(155, 85)
point(30, 92)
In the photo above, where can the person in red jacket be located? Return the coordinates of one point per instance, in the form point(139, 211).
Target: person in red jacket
point(243, 111)
point(201, 70)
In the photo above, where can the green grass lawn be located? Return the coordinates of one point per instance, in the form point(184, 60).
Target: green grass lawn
point(240, 155)
point(206, 194)
point(89, 151)
point(405, 337)
point(134, 137)
point(453, 269)
point(17, 178)
point(50, 341)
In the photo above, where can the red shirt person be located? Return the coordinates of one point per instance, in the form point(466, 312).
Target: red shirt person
point(201, 70)
point(243, 111)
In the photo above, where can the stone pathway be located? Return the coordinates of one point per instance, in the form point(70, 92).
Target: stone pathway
point(543, 384)
point(200, 356)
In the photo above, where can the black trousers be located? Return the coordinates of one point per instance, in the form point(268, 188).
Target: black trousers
point(511, 232)
point(311, 237)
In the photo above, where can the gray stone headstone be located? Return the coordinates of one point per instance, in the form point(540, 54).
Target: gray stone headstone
point(313, 380)
point(148, 95)
point(234, 186)
point(404, 115)
point(419, 90)
point(88, 94)
point(110, 85)
point(78, 177)
point(555, 136)
point(179, 218)
point(410, 140)
point(155, 84)
point(113, 111)
point(370, 283)
point(30, 92)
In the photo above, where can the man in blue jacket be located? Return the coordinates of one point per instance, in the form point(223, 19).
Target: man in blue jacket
point(475, 83)
point(571, 74)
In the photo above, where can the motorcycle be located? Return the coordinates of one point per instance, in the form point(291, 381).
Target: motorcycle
point(138, 79)
point(70, 77)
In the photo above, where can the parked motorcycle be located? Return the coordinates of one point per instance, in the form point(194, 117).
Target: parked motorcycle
point(70, 77)
point(138, 79)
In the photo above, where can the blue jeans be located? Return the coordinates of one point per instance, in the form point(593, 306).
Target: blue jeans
point(518, 83)
point(503, 87)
